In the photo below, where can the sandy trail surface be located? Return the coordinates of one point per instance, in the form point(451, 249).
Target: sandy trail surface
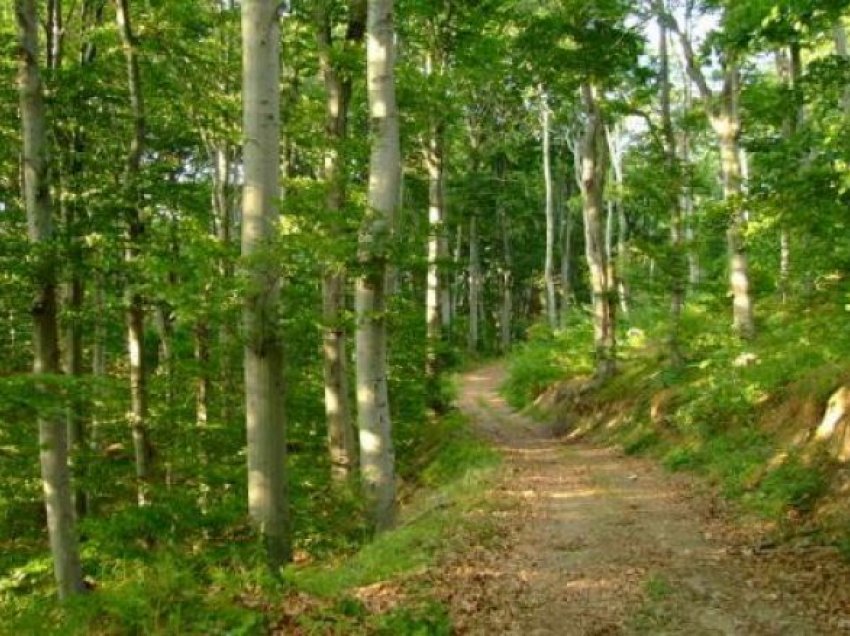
point(596, 542)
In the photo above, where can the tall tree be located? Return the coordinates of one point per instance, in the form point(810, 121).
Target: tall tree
point(52, 431)
point(549, 268)
point(377, 456)
point(342, 443)
point(267, 488)
point(594, 159)
point(135, 233)
point(677, 286)
point(723, 112)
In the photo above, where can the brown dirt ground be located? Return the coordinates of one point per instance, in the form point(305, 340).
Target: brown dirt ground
point(597, 542)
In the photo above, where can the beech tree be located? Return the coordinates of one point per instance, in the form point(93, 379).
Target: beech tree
point(338, 87)
point(52, 431)
point(267, 487)
point(377, 457)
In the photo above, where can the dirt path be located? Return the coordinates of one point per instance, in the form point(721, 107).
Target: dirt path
point(600, 543)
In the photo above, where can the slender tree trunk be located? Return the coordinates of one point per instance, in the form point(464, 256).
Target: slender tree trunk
point(507, 278)
point(223, 204)
point(135, 231)
point(724, 117)
point(73, 291)
point(98, 356)
point(686, 204)
point(790, 70)
point(72, 364)
point(267, 481)
point(594, 168)
point(677, 238)
point(457, 285)
point(203, 387)
point(437, 248)
point(474, 286)
point(566, 264)
point(549, 269)
point(618, 260)
point(840, 37)
point(727, 126)
point(377, 456)
point(52, 431)
point(342, 444)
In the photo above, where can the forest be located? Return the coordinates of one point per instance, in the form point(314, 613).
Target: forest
point(325, 317)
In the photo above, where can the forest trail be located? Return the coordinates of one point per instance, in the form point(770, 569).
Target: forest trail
point(602, 543)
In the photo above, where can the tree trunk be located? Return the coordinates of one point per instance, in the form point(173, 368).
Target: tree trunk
point(52, 431)
point(790, 70)
point(342, 444)
point(725, 120)
point(594, 168)
point(677, 260)
point(221, 154)
point(73, 291)
point(566, 264)
point(686, 204)
point(618, 259)
point(549, 269)
point(727, 127)
point(98, 358)
point(377, 456)
point(73, 366)
point(267, 480)
point(203, 387)
point(437, 248)
point(457, 285)
point(507, 279)
point(474, 286)
point(135, 231)
point(840, 38)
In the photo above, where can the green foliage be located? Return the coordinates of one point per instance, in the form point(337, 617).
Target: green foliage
point(716, 417)
point(546, 358)
point(454, 466)
point(794, 484)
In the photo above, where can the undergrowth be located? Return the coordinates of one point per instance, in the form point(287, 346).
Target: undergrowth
point(150, 577)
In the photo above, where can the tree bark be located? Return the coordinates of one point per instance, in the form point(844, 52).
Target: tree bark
point(725, 120)
point(224, 194)
point(52, 431)
point(789, 69)
point(593, 163)
point(727, 126)
point(268, 503)
point(342, 444)
point(677, 260)
point(203, 387)
point(840, 37)
point(617, 218)
point(377, 456)
point(507, 278)
point(549, 268)
point(566, 263)
point(135, 230)
point(474, 286)
point(437, 248)
point(73, 290)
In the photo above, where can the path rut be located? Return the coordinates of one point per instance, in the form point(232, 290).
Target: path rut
point(601, 543)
